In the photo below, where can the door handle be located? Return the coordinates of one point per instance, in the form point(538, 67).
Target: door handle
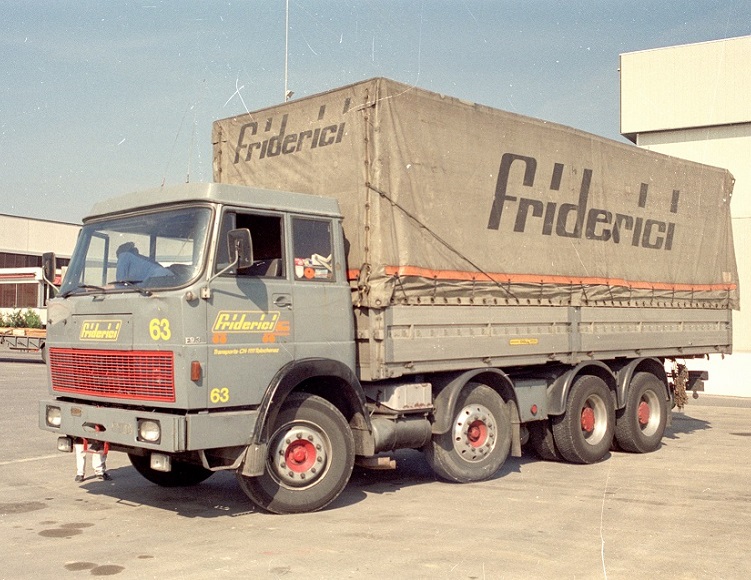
point(283, 301)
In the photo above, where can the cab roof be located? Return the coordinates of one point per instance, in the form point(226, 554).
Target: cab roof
point(249, 197)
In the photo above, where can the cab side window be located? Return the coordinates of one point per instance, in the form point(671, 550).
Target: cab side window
point(312, 249)
point(266, 233)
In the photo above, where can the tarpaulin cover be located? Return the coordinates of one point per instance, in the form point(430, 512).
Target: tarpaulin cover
point(447, 201)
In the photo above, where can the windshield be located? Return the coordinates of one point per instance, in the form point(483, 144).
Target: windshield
point(163, 249)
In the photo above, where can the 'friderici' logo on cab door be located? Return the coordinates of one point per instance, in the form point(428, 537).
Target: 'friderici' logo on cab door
point(245, 321)
point(101, 330)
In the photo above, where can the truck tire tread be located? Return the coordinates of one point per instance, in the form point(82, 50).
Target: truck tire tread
point(576, 443)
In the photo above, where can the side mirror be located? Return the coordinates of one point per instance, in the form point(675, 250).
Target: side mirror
point(240, 247)
point(49, 266)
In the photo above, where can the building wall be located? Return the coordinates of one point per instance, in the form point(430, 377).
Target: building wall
point(22, 243)
point(694, 85)
point(694, 102)
point(31, 237)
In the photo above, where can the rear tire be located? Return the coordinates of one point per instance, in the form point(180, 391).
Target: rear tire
point(479, 440)
point(541, 438)
point(310, 458)
point(584, 433)
point(181, 475)
point(640, 425)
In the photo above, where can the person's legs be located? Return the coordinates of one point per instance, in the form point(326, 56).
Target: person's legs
point(99, 462)
point(80, 461)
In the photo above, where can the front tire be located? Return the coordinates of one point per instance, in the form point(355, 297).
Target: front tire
point(181, 475)
point(640, 425)
point(584, 433)
point(311, 454)
point(479, 440)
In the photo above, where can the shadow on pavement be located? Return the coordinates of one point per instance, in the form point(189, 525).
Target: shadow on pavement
point(685, 425)
point(221, 496)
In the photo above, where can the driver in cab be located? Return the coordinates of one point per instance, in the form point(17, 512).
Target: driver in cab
point(133, 267)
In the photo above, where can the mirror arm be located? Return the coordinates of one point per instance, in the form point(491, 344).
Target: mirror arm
point(206, 290)
point(50, 284)
point(223, 271)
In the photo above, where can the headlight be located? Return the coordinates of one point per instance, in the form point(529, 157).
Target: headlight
point(149, 430)
point(54, 416)
point(65, 444)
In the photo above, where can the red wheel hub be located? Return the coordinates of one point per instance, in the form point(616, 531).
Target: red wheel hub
point(477, 433)
point(300, 456)
point(588, 419)
point(643, 413)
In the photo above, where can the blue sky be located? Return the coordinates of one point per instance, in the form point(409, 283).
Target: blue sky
point(100, 98)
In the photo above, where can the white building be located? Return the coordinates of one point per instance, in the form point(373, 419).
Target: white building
point(694, 102)
point(22, 243)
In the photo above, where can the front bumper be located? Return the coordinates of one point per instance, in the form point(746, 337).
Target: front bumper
point(178, 433)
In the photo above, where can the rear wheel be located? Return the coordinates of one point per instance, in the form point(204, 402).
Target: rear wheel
point(584, 433)
point(541, 438)
point(479, 440)
point(181, 475)
point(640, 425)
point(310, 458)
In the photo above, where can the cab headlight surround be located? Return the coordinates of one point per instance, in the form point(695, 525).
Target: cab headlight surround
point(149, 430)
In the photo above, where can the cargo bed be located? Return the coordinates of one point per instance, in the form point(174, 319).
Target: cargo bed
point(406, 340)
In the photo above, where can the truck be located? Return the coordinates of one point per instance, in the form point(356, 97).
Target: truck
point(380, 267)
point(24, 339)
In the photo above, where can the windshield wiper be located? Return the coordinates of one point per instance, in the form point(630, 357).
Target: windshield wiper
point(135, 285)
point(82, 287)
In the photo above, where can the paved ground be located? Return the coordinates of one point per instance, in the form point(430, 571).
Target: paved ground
point(682, 512)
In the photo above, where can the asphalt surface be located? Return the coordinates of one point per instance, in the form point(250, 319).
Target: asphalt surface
point(681, 512)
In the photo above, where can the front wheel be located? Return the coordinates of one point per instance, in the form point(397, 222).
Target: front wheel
point(181, 475)
point(584, 433)
point(640, 425)
point(479, 440)
point(310, 458)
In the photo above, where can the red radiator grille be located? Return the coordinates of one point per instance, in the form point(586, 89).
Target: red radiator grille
point(140, 375)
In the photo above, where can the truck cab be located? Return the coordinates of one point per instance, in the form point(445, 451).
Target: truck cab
point(170, 344)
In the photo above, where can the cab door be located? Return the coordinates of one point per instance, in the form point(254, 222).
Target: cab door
point(249, 314)
point(323, 305)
